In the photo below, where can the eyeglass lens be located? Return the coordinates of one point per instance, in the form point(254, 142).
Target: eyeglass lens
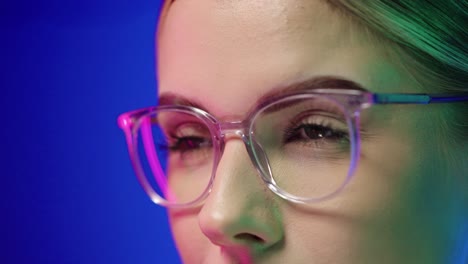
point(306, 141)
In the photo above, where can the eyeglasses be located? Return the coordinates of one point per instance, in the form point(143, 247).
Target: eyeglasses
point(305, 146)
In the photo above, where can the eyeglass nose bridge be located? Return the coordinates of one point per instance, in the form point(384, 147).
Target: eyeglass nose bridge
point(255, 151)
point(238, 128)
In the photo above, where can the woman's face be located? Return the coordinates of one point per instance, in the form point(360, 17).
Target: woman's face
point(225, 55)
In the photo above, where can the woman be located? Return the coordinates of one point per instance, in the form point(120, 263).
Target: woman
point(296, 131)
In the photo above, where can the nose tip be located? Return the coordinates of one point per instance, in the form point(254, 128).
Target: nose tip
point(242, 231)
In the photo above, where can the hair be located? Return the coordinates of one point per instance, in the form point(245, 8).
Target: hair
point(432, 39)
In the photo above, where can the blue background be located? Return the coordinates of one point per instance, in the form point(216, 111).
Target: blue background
point(67, 190)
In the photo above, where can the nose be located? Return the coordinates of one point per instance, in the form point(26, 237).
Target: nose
point(240, 210)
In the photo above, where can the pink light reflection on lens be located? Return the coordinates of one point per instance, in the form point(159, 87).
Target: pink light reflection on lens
point(153, 159)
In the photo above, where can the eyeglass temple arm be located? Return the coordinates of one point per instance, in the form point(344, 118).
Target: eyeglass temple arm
point(416, 99)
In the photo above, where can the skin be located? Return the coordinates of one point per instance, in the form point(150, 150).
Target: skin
point(225, 55)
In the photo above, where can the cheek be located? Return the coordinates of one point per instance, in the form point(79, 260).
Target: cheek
point(388, 159)
point(322, 233)
point(400, 193)
point(190, 241)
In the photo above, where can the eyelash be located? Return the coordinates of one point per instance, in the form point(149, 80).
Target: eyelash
point(182, 144)
point(293, 132)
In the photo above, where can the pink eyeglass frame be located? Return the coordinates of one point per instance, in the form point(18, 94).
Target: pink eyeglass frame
point(352, 102)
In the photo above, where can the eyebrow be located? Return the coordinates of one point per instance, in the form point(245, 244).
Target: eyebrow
point(170, 98)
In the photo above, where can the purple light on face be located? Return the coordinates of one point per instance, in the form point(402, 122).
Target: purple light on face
point(356, 146)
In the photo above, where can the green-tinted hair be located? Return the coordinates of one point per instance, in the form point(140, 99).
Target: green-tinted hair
point(434, 32)
point(432, 35)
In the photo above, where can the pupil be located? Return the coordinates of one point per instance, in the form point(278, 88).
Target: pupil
point(315, 132)
point(190, 143)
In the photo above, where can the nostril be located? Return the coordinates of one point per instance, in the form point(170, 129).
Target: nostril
point(249, 238)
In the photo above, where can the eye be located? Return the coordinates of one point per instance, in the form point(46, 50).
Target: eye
point(182, 140)
point(189, 137)
point(189, 143)
point(317, 131)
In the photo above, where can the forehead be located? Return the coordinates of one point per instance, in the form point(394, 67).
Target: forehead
point(226, 54)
